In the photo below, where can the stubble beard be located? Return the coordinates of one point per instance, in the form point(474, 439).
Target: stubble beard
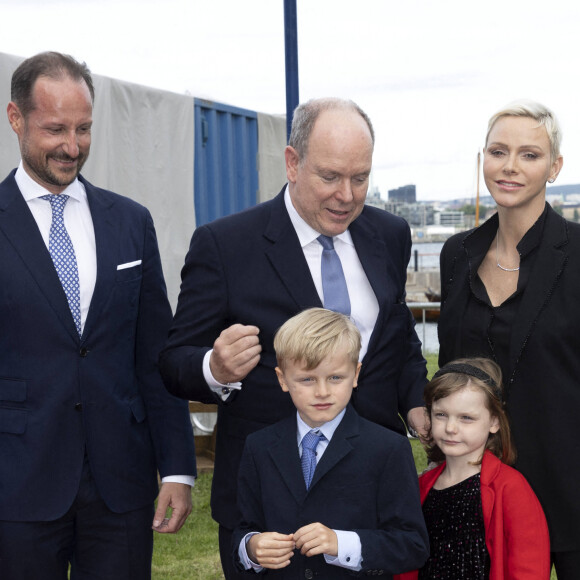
point(42, 169)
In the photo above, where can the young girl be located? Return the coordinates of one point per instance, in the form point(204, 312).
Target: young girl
point(484, 520)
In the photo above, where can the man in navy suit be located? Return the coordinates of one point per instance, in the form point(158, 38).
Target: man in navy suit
point(85, 422)
point(352, 504)
point(248, 273)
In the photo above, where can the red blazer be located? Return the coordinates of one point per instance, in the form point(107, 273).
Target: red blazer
point(516, 533)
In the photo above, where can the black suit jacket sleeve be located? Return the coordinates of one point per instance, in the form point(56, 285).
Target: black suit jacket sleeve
point(200, 317)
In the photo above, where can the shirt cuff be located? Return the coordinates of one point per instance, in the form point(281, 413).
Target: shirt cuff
point(220, 389)
point(185, 479)
point(243, 554)
point(349, 551)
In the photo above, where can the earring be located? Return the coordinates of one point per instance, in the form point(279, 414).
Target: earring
point(551, 180)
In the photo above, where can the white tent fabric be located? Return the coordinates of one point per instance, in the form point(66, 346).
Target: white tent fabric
point(9, 152)
point(143, 148)
point(271, 165)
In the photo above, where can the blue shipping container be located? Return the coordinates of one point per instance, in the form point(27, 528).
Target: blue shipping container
point(226, 152)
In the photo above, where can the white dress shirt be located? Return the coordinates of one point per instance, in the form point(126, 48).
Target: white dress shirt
point(79, 225)
point(364, 307)
point(363, 302)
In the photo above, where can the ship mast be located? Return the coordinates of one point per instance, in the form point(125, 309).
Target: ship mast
point(477, 192)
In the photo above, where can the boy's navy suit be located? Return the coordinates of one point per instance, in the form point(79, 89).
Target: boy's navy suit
point(365, 482)
point(62, 395)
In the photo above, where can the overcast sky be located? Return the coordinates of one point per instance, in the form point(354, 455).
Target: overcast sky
point(429, 73)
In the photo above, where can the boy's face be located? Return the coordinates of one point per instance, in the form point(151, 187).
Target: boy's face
point(322, 393)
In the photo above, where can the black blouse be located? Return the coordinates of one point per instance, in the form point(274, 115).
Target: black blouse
point(486, 328)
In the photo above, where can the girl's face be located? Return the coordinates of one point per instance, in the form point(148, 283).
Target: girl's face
point(461, 424)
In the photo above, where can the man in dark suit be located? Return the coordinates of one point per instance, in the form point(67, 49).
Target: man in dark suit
point(85, 422)
point(248, 273)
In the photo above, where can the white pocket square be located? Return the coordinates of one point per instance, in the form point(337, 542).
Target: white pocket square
point(128, 265)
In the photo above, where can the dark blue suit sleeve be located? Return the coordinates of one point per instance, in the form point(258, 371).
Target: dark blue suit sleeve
point(200, 317)
point(171, 430)
point(414, 371)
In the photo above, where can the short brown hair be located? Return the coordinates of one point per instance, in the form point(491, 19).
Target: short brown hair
point(315, 334)
point(53, 65)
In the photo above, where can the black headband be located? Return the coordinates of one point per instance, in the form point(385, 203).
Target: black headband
point(467, 369)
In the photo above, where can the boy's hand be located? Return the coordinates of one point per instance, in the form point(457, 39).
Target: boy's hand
point(271, 549)
point(316, 539)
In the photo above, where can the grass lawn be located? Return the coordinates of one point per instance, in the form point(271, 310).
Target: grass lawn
point(193, 553)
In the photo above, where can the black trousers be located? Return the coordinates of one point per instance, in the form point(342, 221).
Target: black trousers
point(567, 565)
point(227, 556)
point(96, 542)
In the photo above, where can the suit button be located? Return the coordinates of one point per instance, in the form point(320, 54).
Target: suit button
point(84, 351)
point(78, 406)
point(308, 574)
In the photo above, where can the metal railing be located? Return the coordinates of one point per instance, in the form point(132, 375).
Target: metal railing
point(424, 306)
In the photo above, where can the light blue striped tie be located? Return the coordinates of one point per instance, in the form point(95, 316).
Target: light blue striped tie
point(310, 442)
point(63, 256)
point(333, 281)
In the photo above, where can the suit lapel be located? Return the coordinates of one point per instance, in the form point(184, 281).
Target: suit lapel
point(548, 267)
point(107, 233)
point(20, 228)
point(339, 447)
point(284, 454)
point(373, 255)
point(287, 258)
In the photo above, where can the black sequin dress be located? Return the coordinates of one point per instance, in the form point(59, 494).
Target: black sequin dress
point(456, 533)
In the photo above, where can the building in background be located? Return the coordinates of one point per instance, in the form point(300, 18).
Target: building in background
point(404, 194)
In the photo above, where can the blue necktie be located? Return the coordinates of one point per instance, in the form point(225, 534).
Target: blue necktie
point(63, 256)
point(310, 442)
point(333, 280)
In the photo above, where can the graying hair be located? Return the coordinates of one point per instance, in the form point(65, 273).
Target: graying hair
point(305, 116)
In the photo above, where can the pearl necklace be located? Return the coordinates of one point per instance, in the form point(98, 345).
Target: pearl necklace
point(497, 258)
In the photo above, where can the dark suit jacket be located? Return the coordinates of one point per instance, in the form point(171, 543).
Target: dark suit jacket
point(249, 268)
point(365, 482)
point(61, 394)
point(543, 378)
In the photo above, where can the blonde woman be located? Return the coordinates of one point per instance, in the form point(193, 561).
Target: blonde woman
point(511, 292)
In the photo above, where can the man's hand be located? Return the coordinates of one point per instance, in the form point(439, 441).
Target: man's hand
point(417, 419)
point(271, 549)
point(235, 353)
point(176, 496)
point(316, 539)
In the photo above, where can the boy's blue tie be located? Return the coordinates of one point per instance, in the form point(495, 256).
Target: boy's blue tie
point(63, 255)
point(310, 442)
point(333, 280)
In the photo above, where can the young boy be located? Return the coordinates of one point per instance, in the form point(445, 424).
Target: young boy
point(352, 505)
